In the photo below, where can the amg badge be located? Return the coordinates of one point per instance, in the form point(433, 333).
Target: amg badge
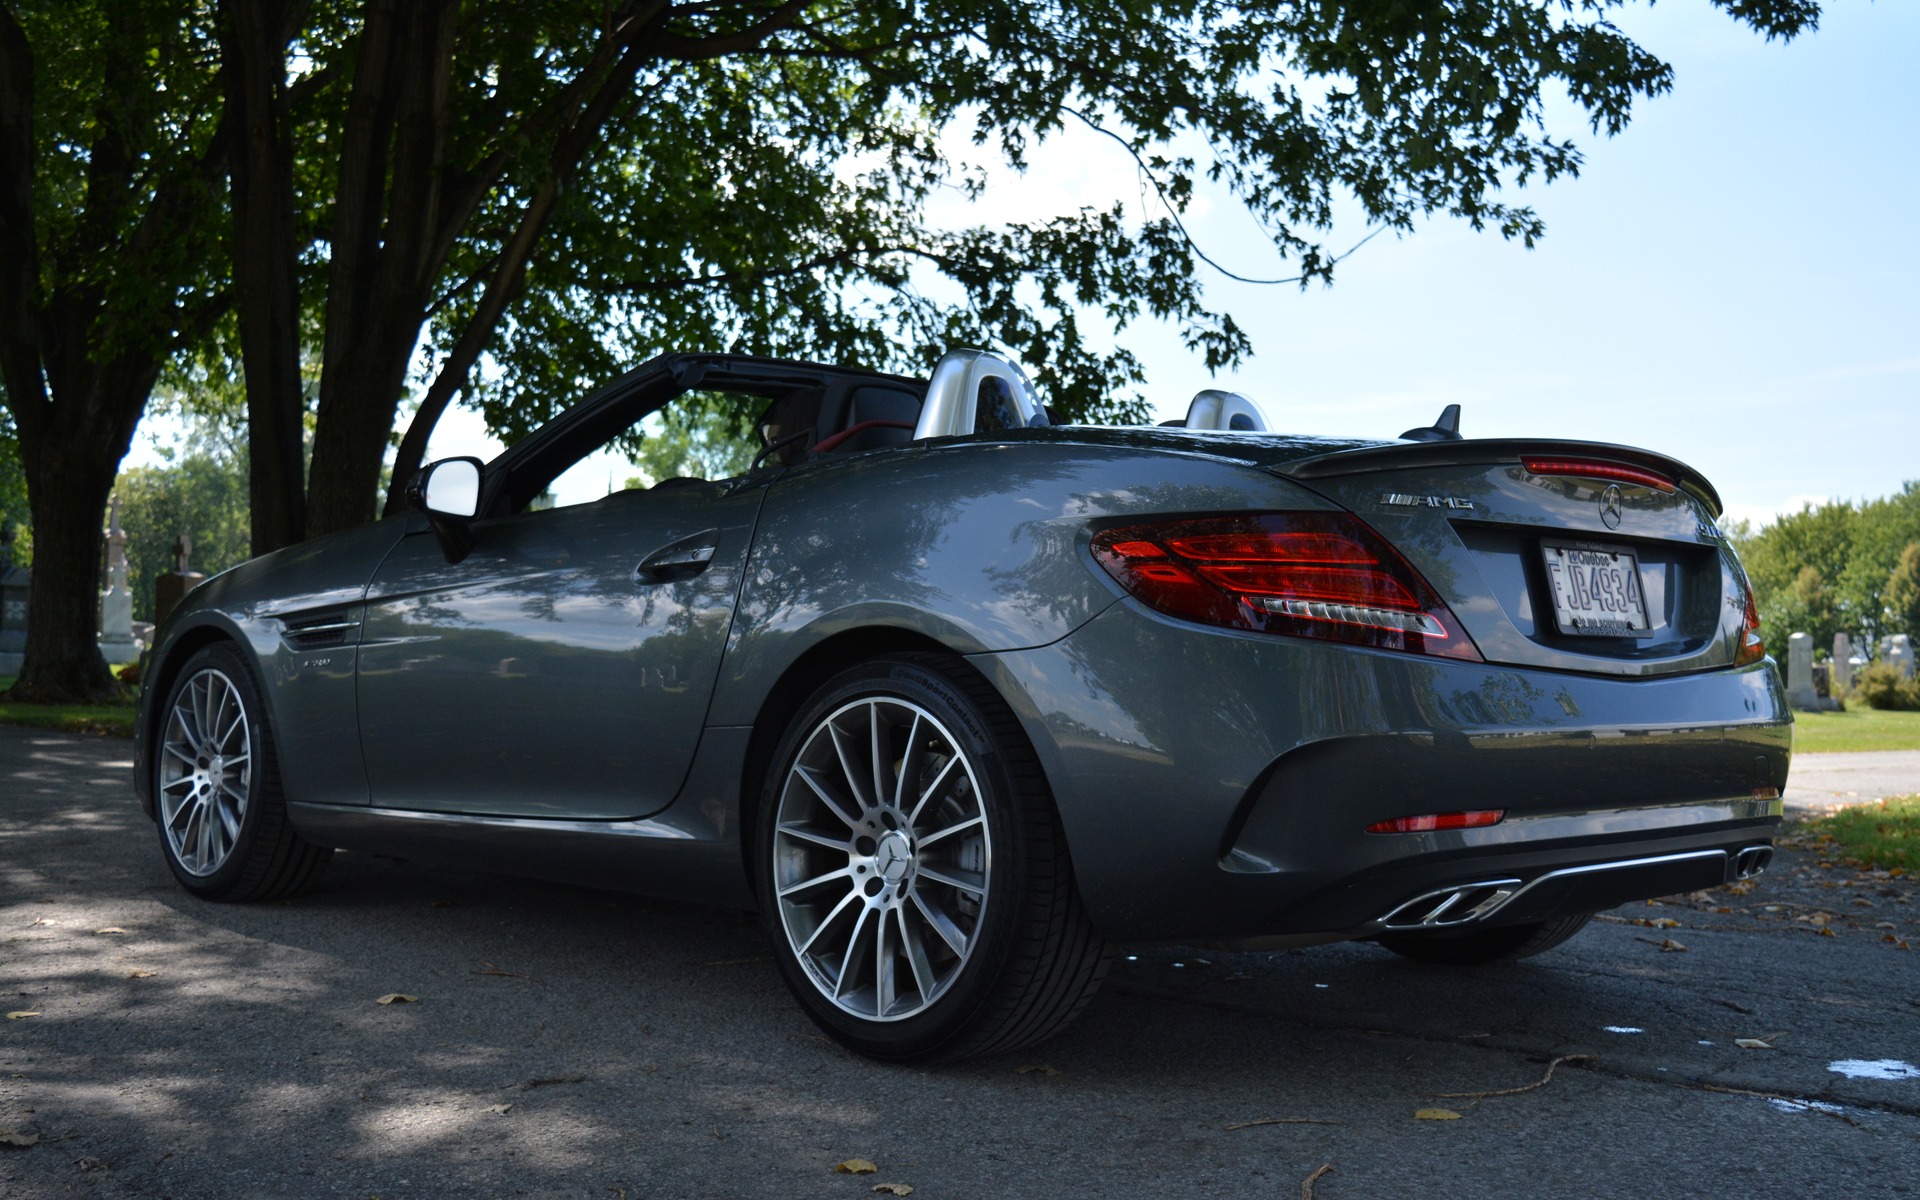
point(1411, 501)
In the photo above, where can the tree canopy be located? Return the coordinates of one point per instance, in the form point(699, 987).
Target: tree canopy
point(1843, 565)
point(407, 190)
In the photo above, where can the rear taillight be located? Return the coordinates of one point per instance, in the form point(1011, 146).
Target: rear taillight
point(1312, 574)
point(1752, 648)
point(1590, 468)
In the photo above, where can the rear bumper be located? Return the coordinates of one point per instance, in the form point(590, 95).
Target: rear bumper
point(1217, 785)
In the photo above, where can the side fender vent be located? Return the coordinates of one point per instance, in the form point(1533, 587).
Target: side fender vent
point(319, 630)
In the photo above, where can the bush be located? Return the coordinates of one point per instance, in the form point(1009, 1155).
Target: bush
point(1881, 686)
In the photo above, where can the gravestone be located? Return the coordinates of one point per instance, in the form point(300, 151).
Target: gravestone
point(172, 585)
point(1900, 654)
point(1800, 693)
point(116, 603)
point(15, 587)
point(1842, 664)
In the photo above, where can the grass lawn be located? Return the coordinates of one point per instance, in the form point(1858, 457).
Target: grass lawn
point(1855, 729)
point(115, 720)
point(1884, 835)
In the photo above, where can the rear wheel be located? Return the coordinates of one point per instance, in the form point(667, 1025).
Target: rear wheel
point(916, 883)
point(1501, 944)
point(216, 786)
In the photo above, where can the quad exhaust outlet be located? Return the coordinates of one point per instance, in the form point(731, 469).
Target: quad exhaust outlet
point(1467, 903)
point(1752, 861)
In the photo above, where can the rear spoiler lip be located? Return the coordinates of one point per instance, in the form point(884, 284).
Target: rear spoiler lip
point(1479, 452)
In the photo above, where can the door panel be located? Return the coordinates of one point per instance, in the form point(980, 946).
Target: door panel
point(563, 669)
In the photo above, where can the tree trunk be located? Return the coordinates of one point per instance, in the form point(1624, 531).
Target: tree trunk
point(253, 46)
point(72, 457)
point(385, 257)
point(63, 663)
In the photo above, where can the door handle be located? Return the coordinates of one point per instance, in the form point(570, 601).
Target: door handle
point(678, 560)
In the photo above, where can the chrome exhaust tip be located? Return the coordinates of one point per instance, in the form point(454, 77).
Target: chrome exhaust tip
point(1752, 861)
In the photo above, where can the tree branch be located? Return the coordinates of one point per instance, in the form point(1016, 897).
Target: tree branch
point(1174, 215)
point(466, 190)
point(696, 49)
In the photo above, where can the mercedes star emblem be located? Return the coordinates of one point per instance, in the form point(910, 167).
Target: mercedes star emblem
point(1610, 506)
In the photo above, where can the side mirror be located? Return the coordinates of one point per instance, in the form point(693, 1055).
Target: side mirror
point(448, 492)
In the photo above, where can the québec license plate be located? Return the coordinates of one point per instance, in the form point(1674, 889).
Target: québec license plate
point(1596, 589)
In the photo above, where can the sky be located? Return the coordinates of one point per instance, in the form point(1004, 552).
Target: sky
point(1734, 280)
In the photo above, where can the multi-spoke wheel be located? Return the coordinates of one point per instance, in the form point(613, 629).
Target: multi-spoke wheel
point(223, 823)
point(206, 771)
point(915, 881)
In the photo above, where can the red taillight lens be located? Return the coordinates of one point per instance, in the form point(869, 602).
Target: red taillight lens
point(1433, 821)
point(1323, 575)
point(1752, 649)
point(1589, 468)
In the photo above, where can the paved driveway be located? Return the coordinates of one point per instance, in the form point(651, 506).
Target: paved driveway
point(572, 1043)
point(1823, 781)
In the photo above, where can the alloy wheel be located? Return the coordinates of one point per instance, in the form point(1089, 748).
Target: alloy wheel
point(882, 858)
point(206, 769)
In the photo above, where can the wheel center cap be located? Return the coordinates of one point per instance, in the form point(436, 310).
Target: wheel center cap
point(893, 857)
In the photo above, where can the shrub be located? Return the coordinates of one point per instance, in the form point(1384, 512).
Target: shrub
point(1881, 686)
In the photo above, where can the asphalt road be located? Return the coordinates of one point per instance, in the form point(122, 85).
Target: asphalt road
point(572, 1043)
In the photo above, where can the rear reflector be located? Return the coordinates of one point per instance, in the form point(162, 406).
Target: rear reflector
point(1589, 468)
point(1433, 821)
point(1310, 574)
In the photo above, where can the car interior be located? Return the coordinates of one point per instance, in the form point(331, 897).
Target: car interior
point(809, 410)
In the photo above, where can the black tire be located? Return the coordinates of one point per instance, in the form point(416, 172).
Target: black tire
point(1028, 958)
point(223, 827)
point(1504, 943)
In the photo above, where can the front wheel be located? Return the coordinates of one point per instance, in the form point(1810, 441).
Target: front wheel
point(216, 786)
point(916, 882)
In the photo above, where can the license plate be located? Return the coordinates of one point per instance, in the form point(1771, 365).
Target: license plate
point(1596, 589)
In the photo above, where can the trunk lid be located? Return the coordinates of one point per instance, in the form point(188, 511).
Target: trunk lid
point(1609, 576)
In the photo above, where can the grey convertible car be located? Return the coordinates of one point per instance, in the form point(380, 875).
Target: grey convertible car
point(956, 696)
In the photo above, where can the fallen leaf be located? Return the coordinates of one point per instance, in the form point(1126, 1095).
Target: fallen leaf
point(142, 973)
point(110, 929)
point(502, 1109)
point(1751, 1044)
point(1669, 946)
point(855, 1166)
point(396, 998)
point(1825, 932)
point(1436, 1114)
point(20, 1141)
point(894, 1189)
point(1042, 1068)
point(15, 1016)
